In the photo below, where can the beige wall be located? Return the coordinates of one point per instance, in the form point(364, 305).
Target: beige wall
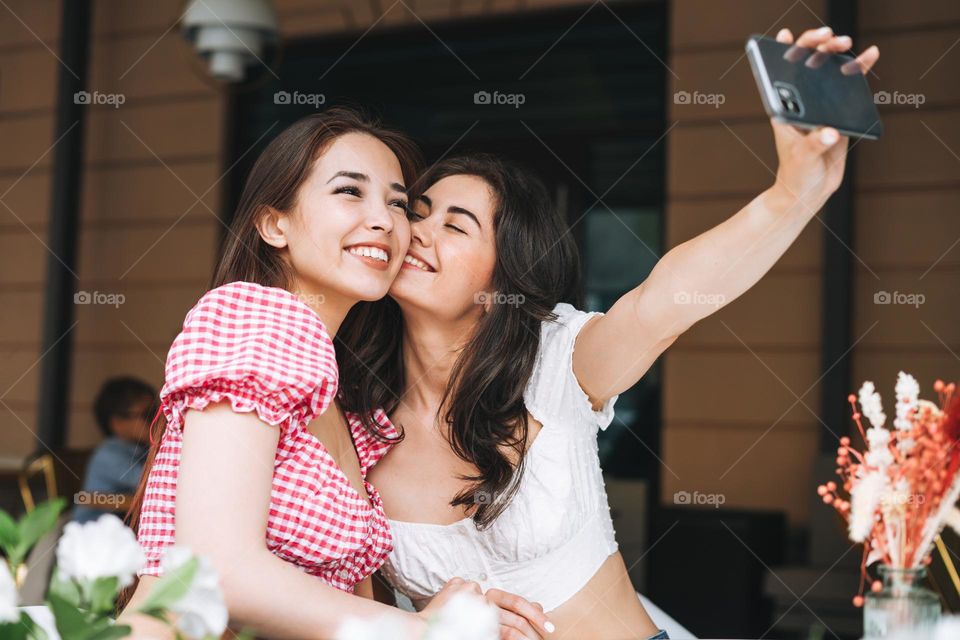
point(147, 230)
point(730, 385)
point(740, 392)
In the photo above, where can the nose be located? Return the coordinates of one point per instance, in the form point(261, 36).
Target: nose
point(421, 232)
point(380, 218)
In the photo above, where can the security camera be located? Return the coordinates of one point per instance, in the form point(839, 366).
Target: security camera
point(230, 34)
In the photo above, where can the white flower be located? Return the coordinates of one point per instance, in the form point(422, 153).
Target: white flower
point(201, 612)
point(908, 391)
point(880, 458)
point(465, 617)
point(878, 453)
point(864, 499)
point(878, 437)
point(386, 627)
point(896, 498)
point(870, 404)
point(101, 549)
point(8, 595)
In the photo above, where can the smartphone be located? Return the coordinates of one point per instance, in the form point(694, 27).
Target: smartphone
point(808, 88)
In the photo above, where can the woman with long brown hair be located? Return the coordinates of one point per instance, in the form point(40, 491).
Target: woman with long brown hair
point(254, 466)
point(503, 385)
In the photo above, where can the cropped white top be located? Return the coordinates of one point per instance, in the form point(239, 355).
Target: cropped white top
point(557, 531)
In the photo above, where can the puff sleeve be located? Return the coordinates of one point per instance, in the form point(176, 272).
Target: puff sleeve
point(261, 348)
point(553, 393)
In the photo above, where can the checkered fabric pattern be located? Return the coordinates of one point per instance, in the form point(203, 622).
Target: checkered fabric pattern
point(264, 349)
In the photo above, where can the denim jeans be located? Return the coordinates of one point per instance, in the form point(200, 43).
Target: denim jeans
point(660, 635)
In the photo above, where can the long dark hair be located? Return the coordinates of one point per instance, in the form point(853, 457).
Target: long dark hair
point(483, 407)
point(275, 181)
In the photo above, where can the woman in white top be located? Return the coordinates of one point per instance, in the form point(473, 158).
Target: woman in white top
point(500, 388)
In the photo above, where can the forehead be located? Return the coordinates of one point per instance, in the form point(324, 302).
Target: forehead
point(466, 191)
point(362, 153)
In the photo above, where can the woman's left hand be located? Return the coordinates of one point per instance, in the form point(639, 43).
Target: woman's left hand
point(520, 619)
point(811, 163)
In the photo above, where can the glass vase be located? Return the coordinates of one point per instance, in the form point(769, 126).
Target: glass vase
point(903, 603)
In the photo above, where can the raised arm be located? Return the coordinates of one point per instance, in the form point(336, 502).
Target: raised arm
point(700, 276)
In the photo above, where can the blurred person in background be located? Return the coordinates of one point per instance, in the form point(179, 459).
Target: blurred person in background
point(123, 409)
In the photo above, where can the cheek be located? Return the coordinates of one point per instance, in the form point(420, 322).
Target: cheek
point(323, 225)
point(474, 270)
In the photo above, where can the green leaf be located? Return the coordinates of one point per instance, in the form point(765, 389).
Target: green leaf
point(35, 525)
point(97, 627)
point(9, 534)
point(72, 623)
point(115, 631)
point(103, 594)
point(171, 587)
point(14, 630)
point(156, 612)
point(65, 588)
point(31, 629)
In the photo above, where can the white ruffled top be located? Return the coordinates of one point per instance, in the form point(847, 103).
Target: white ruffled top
point(557, 530)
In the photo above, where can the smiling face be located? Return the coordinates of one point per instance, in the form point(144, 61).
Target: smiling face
point(452, 249)
point(348, 233)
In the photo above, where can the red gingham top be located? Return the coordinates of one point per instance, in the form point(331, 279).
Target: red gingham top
point(263, 349)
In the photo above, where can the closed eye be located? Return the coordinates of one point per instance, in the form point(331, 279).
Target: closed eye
point(456, 228)
point(401, 204)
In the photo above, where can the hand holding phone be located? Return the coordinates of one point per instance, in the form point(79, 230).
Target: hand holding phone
point(814, 82)
point(812, 163)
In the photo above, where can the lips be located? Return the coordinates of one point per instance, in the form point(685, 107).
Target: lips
point(373, 254)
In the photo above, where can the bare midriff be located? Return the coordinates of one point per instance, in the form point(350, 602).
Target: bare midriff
point(606, 608)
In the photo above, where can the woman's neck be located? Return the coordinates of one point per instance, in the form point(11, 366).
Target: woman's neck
point(332, 308)
point(430, 351)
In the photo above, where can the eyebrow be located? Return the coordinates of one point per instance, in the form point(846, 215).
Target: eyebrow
point(362, 177)
point(454, 209)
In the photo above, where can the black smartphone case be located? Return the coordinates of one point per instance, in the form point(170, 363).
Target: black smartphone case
point(809, 89)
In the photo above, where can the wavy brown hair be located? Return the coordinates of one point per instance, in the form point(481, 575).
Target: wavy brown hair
point(274, 182)
point(483, 406)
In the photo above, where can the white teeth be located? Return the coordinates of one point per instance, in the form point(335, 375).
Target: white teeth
point(370, 252)
point(417, 263)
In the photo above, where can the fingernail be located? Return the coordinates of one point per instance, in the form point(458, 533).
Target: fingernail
point(549, 626)
point(782, 33)
point(822, 31)
point(828, 136)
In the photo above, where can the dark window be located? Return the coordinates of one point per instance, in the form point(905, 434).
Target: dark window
point(593, 111)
